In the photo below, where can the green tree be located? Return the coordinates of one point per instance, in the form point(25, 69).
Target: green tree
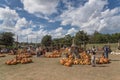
point(46, 40)
point(68, 40)
point(55, 42)
point(115, 37)
point(81, 38)
point(65, 41)
point(7, 38)
point(99, 38)
point(108, 38)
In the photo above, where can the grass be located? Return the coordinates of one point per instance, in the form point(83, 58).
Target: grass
point(50, 69)
point(113, 46)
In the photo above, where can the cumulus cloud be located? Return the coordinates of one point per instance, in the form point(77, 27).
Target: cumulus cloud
point(37, 36)
point(58, 32)
point(45, 7)
point(88, 17)
point(71, 31)
point(92, 16)
point(21, 23)
point(8, 17)
point(11, 22)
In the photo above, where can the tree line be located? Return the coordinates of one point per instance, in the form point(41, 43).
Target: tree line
point(6, 38)
point(81, 37)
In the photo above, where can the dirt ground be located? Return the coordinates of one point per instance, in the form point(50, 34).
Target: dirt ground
point(50, 69)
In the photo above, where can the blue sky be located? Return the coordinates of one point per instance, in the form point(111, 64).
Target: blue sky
point(36, 18)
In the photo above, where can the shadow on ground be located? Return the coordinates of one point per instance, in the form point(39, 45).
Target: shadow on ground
point(115, 60)
point(102, 66)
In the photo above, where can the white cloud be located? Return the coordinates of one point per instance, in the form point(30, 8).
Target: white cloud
point(52, 21)
point(42, 32)
point(41, 26)
point(45, 7)
point(8, 17)
point(21, 23)
point(71, 31)
point(92, 16)
point(82, 14)
point(7, 13)
point(57, 33)
point(11, 22)
point(89, 17)
point(59, 29)
point(18, 8)
point(26, 31)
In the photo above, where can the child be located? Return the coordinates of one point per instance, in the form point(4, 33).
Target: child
point(93, 59)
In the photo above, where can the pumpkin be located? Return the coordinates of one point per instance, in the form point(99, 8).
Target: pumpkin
point(70, 61)
point(97, 60)
point(101, 61)
point(2, 55)
point(29, 60)
point(70, 56)
point(67, 64)
point(62, 62)
point(106, 60)
point(13, 62)
point(76, 62)
point(8, 62)
point(22, 62)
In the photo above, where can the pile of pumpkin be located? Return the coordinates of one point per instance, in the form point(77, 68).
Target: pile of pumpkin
point(84, 60)
point(21, 58)
point(102, 60)
point(55, 54)
point(24, 55)
point(10, 53)
point(2, 55)
point(21, 51)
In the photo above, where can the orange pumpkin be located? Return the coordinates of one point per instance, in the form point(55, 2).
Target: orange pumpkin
point(62, 62)
point(76, 62)
point(68, 64)
point(106, 60)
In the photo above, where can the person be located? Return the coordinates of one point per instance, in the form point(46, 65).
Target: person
point(106, 51)
point(94, 49)
point(88, 51)
point(40, 51)
point(44, 52)
point(29, 49)
point(66, 52)
point(15, 51)
point(37, 51)
point(11, 51)
point(93, 62)
point(75, 51)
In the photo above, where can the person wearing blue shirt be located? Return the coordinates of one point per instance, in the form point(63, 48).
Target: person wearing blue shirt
point(106, 51)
